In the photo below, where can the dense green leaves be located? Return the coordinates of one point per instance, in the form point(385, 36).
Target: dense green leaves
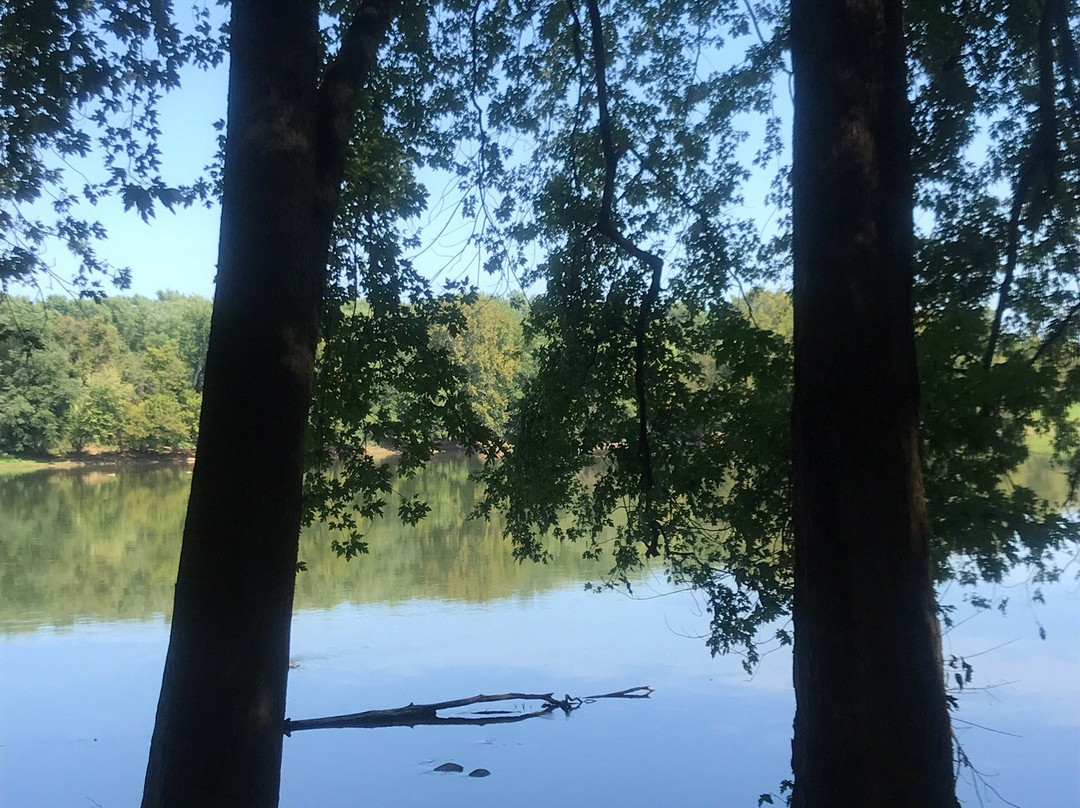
point(37, 384)
point(997, 277)
point(121, 373)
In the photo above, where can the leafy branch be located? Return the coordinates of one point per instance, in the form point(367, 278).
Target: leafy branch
point(608, 227)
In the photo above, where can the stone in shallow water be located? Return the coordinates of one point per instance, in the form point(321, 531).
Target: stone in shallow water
point(450, 767)
point(479, 773)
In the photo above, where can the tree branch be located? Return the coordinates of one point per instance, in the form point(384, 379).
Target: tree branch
point(1042, 156)
point(1056, 332)
point(607, 226)
point(413, 715)
point(339, 97)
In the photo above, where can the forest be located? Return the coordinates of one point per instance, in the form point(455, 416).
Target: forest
point(120, 374)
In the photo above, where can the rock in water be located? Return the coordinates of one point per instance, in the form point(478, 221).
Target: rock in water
point(479, 773)
point(449, 767)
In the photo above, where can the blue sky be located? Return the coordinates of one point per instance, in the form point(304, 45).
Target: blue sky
point(172, 251)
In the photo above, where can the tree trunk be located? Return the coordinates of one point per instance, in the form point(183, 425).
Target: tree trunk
point(871, 726)
point(218, 733)
point(217, 739)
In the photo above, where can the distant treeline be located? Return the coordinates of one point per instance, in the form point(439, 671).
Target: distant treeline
point(122, 373)
point(126, 373)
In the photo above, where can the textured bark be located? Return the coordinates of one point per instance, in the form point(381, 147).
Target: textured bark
point(871, 726)
point(227, 661)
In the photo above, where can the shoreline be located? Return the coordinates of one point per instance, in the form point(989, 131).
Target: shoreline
point(12, 465)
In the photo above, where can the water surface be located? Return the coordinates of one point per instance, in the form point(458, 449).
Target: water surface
point(87, 561)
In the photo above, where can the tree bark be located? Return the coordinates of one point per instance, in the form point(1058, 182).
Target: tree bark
point(227, 661)
point(871, 726)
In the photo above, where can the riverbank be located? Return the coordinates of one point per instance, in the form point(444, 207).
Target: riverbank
point(10, 465)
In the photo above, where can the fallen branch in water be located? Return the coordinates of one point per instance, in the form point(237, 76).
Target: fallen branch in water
point(414, 715)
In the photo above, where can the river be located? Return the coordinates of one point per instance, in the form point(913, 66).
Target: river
point(439, 612)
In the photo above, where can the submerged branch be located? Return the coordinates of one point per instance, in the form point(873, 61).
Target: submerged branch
point(413, 715)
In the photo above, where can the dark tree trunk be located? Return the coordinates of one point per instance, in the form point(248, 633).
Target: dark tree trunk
point(217, 738)
point(218, 733)
point(871, 727)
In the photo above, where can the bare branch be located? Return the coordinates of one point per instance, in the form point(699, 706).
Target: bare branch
point(413, 715)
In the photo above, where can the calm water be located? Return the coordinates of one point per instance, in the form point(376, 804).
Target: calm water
point(439, 612)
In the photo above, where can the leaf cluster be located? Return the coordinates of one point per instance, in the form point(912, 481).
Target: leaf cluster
point(79, 87)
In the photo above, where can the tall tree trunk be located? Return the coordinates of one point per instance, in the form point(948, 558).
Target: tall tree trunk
point(871, 726)
point(218, 735)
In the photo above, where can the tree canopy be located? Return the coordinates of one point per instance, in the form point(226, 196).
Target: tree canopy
point(692, 464)
point(79, 122)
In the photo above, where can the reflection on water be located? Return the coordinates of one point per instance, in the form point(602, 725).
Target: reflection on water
point(100, 545)
point(104, 546)
point(87, 561)
point(1040, 474)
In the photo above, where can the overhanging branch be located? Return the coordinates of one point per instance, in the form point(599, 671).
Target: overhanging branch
point(1041, 159)
point(1056, 332)
point(655, 265)
point(339, 96)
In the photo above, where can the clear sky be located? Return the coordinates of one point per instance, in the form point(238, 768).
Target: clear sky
point(173, 251)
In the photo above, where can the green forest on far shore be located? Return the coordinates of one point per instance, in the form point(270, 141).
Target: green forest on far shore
point(115, 374)
point(125, 374)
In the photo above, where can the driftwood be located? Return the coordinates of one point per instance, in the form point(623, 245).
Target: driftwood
point(414, 715)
